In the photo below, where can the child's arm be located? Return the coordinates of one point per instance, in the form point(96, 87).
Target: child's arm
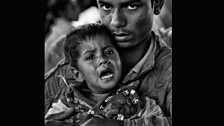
point(59, 111)
point(58, 123)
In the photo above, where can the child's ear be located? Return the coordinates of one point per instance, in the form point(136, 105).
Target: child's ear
point(77, 75)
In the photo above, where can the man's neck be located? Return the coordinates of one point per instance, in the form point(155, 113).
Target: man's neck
point(131, 56)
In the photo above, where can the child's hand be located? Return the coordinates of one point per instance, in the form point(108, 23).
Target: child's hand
point(125, 103)
point(62, 115)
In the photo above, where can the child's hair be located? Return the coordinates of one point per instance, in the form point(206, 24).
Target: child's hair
point(80, 34)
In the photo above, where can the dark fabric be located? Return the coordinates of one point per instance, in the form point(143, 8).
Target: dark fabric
point(157, 84)
point(58, 123)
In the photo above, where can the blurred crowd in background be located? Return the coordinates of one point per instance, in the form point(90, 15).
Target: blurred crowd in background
point(62, 15)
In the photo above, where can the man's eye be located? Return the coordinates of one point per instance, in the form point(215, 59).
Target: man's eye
point(132, 7)
point(90, 57)
point(106, 7)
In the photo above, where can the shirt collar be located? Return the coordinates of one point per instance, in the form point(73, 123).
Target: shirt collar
point(137, 68)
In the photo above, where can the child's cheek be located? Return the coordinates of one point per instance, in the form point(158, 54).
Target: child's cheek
point(115, 59)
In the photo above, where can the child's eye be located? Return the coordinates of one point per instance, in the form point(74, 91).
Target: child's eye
point(90, 57)
point(109, 52)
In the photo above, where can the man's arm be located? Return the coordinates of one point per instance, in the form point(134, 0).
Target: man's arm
point(151, 115)
point(53, 84)
point(154, 114)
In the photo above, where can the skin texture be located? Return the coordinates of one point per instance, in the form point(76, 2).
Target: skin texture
point(97, 55)
point(133, 18)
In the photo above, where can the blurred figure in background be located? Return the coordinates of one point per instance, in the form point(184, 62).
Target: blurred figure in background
point(89, 14)
point(58, 22)
point(165, 18)
point(162, 24)
point(60, 15)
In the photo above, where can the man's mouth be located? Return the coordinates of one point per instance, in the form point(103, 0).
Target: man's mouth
point(106, 74)
point(121, 36)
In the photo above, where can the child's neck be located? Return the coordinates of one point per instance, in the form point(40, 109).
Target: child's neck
point(97, 97)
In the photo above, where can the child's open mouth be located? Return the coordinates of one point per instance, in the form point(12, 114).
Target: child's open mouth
point(106, 74)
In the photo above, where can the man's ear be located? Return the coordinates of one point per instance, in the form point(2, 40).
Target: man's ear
point(77, 75)
point(157, 4)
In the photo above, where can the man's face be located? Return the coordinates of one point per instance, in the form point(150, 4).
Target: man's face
point(99, 64)
point(129, 20)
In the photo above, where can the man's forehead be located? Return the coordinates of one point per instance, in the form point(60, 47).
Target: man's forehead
point(118, 1)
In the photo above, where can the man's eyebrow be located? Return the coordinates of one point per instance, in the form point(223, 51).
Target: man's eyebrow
point(130, 2)
point(104, 3)
point(122, 4)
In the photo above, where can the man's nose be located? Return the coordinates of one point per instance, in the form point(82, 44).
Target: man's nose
point(118, 19)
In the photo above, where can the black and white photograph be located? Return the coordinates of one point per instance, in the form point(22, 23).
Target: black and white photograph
point(108, 63)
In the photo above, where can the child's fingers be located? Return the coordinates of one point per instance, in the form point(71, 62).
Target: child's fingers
point(136, 83)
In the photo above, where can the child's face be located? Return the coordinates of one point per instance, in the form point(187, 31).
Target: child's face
point(99, 64)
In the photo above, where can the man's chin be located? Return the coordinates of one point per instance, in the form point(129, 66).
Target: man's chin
point(124, 44)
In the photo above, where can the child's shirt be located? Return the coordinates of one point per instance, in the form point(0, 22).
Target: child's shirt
point(85, 108)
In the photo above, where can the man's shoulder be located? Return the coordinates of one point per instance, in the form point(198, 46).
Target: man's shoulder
point(163, 64)
point(60, 68)
point(52, 81)
point(163, 58)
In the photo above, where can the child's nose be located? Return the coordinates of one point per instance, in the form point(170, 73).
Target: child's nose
point(103, 61)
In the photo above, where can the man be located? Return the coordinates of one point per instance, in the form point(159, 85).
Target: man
point(131, 22)
point(144, 56)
